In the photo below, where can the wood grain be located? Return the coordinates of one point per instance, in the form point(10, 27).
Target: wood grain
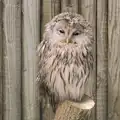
point(114, 60)
point(1, 62)
point(64, 4)
point(75, 5)
point(55, 7)
point(69, 110)
point(12, 59)
point(46, 14)
point(69, 6)
point(87, 8)
point(102, 62)
point(12, 42)
point(31, 38)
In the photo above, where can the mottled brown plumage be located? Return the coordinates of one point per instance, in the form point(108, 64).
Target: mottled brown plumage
point(65, 57)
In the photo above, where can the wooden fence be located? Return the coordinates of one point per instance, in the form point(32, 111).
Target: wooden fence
point(21, 27)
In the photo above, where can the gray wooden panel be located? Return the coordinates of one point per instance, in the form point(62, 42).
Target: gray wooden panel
point(31, 37)
point(50, 9)
point(114, 60)
point(55, 7)
point(46, 13)
point(12, 59)
point(102, 63)
point(88, 9)
point(69, 6)
point(64, 4)
point(75, 5)
point(1, 62)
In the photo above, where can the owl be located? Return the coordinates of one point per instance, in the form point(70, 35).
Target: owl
point(65, 58)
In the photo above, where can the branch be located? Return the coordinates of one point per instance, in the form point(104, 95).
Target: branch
point(69, 110)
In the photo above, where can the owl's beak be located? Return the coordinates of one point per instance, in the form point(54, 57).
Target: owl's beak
point(68, 41)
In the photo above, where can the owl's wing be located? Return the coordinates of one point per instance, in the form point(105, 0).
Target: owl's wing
point(41, 48)
point(41, 74)
point(41, 51)
point(45, 95)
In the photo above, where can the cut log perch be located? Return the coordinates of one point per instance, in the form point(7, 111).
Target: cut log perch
point(69, 110)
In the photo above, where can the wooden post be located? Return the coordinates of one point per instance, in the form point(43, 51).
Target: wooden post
point(87, 8)
point(69, 6)
point(48, 7)
point(75, 5)
point(102, 59)
point(1, 62)
point(75, 111)
point(55, 7)
point(31, 38)
point(46, 14)
point(12, 59)
point(114, 60)
point(65, 4)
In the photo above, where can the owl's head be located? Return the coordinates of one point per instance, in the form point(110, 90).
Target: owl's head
point(69, 28)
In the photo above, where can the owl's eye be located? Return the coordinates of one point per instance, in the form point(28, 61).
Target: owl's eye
point(76, 33)
point(61, 31)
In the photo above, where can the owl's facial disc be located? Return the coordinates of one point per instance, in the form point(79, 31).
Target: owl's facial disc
point(68, 41)
point(66, 33)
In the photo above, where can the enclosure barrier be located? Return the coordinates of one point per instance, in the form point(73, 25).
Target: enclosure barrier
point(21, 28)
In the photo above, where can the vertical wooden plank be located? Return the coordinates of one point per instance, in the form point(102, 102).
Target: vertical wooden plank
point(74, 4)
point(31, 37)
point(102, 55)
point(46, 13)
point(1, 62)
point(55, 7)
point(69, 5)
point(65, 4)
point(87, 8)
point(12, 59)
point(114, 60)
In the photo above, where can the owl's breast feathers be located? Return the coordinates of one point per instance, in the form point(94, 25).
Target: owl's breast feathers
point(65, 72)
